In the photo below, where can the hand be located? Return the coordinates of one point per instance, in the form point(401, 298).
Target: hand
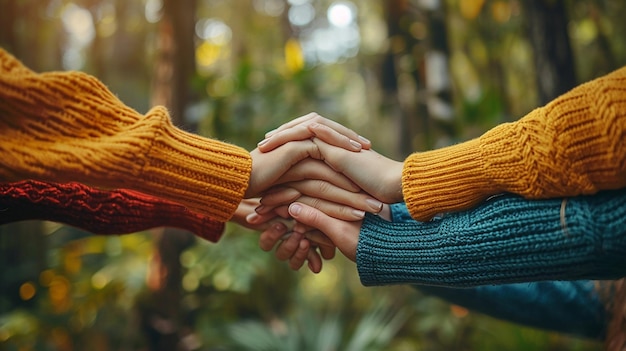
point(334, 201)
point(377, 175)
point(295, 248)
point(366, 172)
point(246, 209)
point(319, 228)
point(278, 224)
point(343, 234)
point(299, 129)
point(291, 162)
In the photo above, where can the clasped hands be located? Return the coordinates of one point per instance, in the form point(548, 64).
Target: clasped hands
point(311, 184)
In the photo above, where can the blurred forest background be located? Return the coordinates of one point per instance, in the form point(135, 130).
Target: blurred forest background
point(409, 75)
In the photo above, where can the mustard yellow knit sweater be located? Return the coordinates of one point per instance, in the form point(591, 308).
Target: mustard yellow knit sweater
point(67, 126)
point(574, 145)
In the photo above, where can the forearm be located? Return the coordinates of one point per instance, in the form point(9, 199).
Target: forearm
point(572, 307)
point(572, 146)
point(67, 126)
point(504, 240)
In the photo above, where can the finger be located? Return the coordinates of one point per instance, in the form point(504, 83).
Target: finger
point(268, 168)
point(283, 211)
point(292, 123)
point(245, 208)
point(261, 221)
point(315, 169)
point(338, 137)
point(302, 132)
point(297, 130)
point(315, 261)
point(344, 235)
point(277, 196)
point(288, 247)
point(318, 189)
point(374, 173)
point(299, 257)
point(327, 252)
point(318, 238)
point(333, 209)
point(271, 236)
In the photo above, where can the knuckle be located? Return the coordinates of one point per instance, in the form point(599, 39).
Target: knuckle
point(345, 212)
point(315, 203)
point(316, 117)
point(323, 187)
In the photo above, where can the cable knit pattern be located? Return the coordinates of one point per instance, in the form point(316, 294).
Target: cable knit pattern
point(574, 145)
point(118, 211)
point(505, 240)
point(67, 126)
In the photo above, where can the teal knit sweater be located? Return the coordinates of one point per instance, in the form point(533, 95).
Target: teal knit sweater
point(571, 307)
point(506, 239)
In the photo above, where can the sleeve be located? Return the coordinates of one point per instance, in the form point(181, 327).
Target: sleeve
point(507, 239)
point(399, 213)
point(572, 146)
point(66, 127)
point(117, 212)
point(571, 307)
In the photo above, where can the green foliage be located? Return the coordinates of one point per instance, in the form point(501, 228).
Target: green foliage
point(317, 330)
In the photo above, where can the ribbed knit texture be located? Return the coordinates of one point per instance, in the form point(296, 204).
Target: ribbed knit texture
point(574, 145)
point(572, 307)
point(67, 126)
point(505, 240)
point(100, 212)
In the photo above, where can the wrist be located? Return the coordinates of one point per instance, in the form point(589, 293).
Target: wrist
point(393, 184)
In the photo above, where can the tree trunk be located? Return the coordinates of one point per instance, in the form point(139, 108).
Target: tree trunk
point(7, 25)
point(163, 319)
point(427, 109)
point(175, 63)
point(554, 63)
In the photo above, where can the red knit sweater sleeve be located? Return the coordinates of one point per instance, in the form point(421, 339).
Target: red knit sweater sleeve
point(119, 211)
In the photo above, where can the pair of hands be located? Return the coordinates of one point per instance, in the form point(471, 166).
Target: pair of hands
point(323, 176)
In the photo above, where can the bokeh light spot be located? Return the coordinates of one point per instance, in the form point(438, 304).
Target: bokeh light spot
point(341, 13)
point(27, 291)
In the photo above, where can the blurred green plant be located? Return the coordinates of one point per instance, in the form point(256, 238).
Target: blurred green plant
point(315, 330)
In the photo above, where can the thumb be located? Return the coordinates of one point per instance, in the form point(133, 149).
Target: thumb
point(344, 234)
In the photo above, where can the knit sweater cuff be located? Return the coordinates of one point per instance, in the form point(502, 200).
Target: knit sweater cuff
point(450, 178)
point(196, 169)
point(505, 240)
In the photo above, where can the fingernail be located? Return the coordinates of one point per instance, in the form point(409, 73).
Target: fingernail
point(364, 139)
point(295, 209)
point(279, 227)
point(269, 134)
point(263, 142)
point(356, 144)
point(358, 213)
point(259, 209)
point(375, 205)
point(252, 218)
